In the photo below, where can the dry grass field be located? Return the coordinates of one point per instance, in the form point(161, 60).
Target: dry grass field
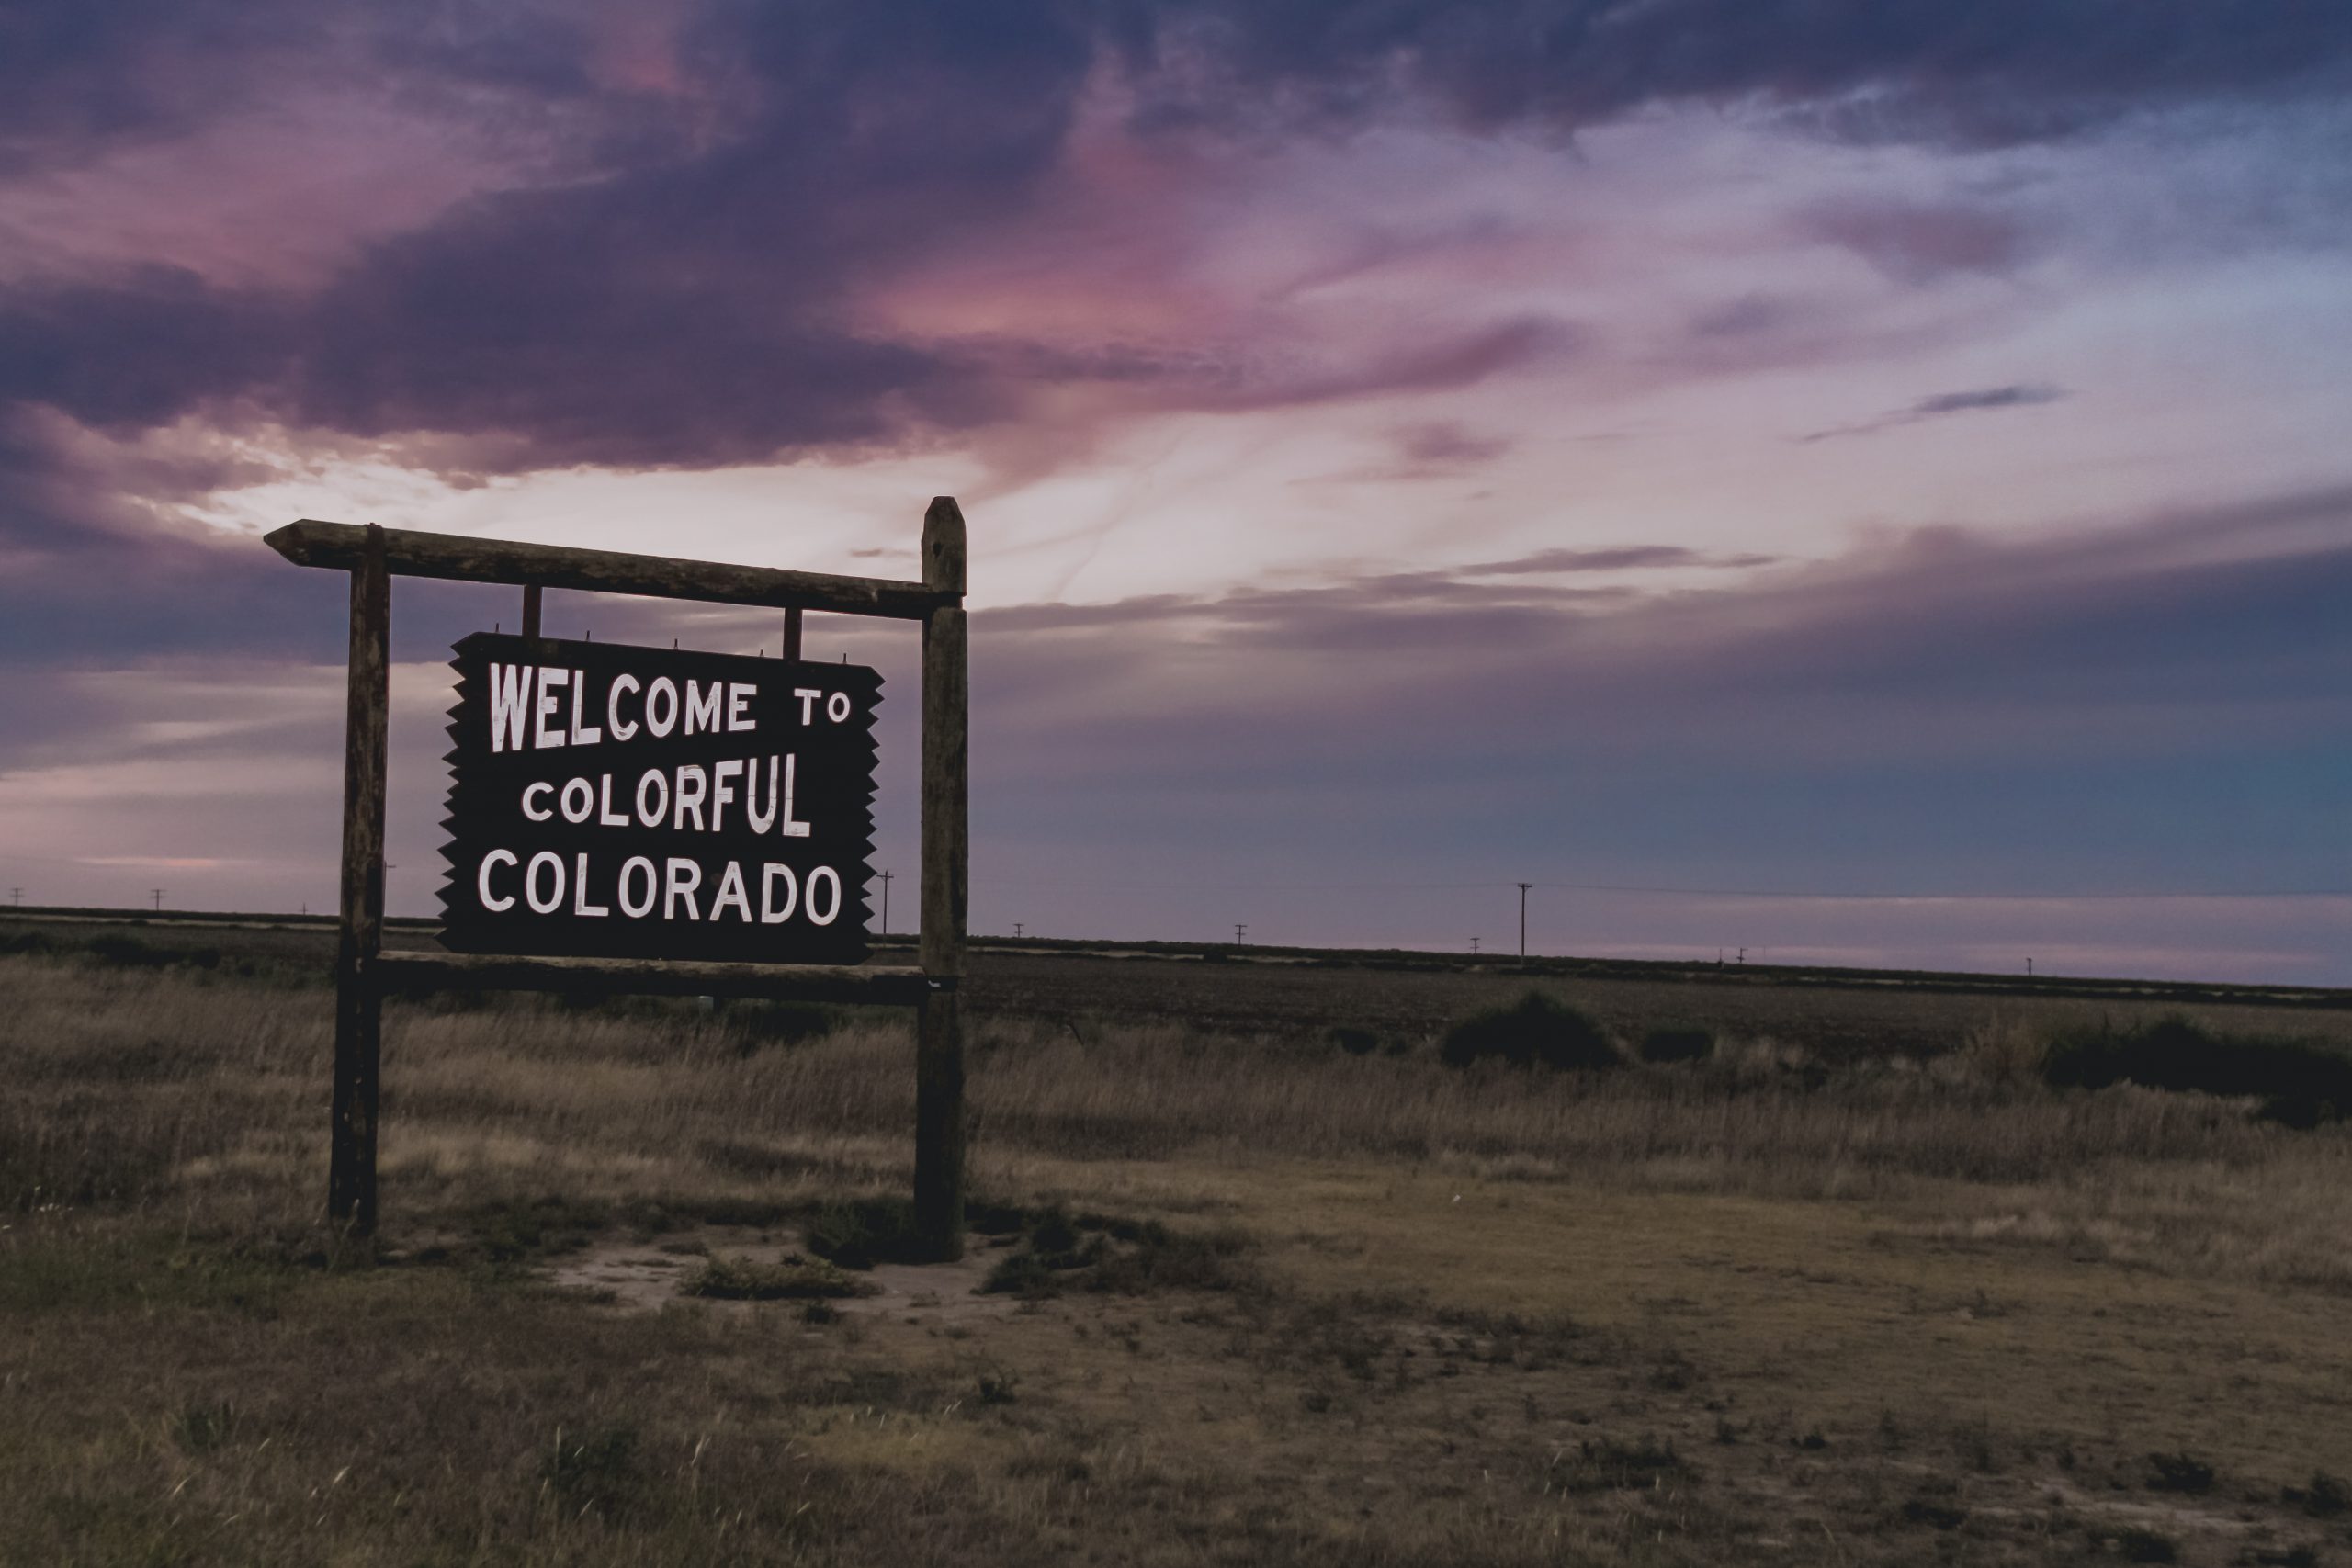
point(1273, 1295)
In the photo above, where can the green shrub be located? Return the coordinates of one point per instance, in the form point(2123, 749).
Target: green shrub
point(1535, 1031)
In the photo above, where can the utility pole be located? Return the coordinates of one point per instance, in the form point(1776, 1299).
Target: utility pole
point(157, 895)
point(885, 876)
point(1522, 918)
point(16, 895)
point(1239, 931)
point(1016, 928)
point(1474, 944)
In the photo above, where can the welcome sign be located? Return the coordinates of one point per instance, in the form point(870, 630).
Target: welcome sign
point(633, 802)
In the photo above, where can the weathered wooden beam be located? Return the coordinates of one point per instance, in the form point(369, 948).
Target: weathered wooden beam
point(533, 600)
point(878, 983)
point(947, 857)
point(358, 1013)
point(456, 558)
point(792, 633)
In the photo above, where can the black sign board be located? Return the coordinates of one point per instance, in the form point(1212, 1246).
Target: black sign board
point(636, 802)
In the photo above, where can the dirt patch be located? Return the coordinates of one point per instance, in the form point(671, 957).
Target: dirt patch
point(648, 1275)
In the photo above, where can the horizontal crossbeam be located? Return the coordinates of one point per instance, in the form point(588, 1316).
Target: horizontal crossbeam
point(395, 970)
point(456, 558)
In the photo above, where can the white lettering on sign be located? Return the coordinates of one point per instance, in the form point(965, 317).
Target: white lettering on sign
point(589, 734)
point(489, 901)
point(579, 904)
point(637, 908)
point(676, 885)
point(827, 877)
point(528, 710)
point(510, 695)
point(702, 708)
point(554, 900)
point(622, 730)
point(541, 736)
point(684, 877)
point(772, 913)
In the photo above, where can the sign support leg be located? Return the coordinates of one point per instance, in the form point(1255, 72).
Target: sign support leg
point(358, 1002)
point(939, 1045)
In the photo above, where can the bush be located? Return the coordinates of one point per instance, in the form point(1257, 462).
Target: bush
point(2301, 1083)
point(1537, 1029)
point(1677, 1043)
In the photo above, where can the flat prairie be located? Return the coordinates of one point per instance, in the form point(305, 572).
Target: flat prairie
point(1255, 1276)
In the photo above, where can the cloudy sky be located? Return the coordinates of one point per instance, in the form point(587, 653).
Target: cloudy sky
point(1865, 483)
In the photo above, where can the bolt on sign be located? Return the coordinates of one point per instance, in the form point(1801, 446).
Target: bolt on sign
point(609, 800)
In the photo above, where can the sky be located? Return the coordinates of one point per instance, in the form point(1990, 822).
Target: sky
point(1859, 483)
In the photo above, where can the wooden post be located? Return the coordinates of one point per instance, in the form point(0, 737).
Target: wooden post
point(792, 633)
point(532, 593)
point(358, 1005)
point(939, 1046)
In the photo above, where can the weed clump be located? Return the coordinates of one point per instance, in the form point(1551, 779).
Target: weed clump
point(868, 1231)
point(1536, 1030)
point(793, 1279)
point(1125, 1257)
